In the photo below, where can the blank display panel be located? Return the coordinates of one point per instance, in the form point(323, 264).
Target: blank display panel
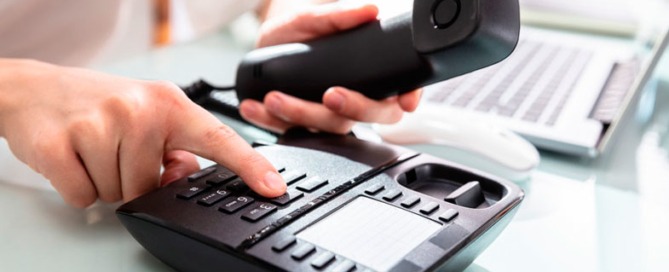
point(370, 232)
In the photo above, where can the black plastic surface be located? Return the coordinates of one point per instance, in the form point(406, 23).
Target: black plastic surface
point(389, 57)
point(194, 237)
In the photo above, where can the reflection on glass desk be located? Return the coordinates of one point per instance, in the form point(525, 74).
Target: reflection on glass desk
point(603, 214)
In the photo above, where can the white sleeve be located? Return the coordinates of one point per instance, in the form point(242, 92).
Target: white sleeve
point(193, 18)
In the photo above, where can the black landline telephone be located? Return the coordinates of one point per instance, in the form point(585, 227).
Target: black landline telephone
point(351, 205)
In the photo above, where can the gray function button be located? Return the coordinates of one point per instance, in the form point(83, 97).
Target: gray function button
point(445, 13)
point(258, 212)
point(344, 266)
point(448, 215)
point(429, 208)
point(392, 195)
point(311, 184)
point(192, 191)
point(410, 201)
point(197, 175)
point(213, 197)
point(284, 243)
point(302, 251)
point(288, 197)
point(322, 260)
point(234, 204)
point(374, 189)
point(291, 176)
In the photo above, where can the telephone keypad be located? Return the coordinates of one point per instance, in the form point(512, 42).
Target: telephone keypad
point(288, 197)
point(221, 178)
point(192, 191)
point(237, 185)
point(213, 197)
point(259, 211)
point(204, 172)
point(235, 204)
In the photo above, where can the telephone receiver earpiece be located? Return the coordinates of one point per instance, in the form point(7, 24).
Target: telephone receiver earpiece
point(437, 40)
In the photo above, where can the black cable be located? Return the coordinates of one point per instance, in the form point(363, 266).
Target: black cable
point(220, 99)
point(202, 88)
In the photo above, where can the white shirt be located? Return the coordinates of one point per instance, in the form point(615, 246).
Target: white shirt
point(80, 32)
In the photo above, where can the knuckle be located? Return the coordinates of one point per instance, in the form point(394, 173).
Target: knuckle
point(46, 151)
point(164, 88)
point(165, 85)
point(219, 135)
point(75, 198)
point(109, 197)
point(357, 114)
point(356, 110)
point(167, 94)
point(305, 18)
point(144, 100)
point(125, 105)
point(296, 115)
point(343, 128)
point(87, 127)
point(81, 201)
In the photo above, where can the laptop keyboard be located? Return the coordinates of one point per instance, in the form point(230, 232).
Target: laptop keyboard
point(532, 85)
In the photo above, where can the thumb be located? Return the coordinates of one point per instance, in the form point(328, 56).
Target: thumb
point(197, 131)
point(307, 25)
point(178, 164)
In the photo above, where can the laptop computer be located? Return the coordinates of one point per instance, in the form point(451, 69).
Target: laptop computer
point(613, 17)
point(562, 91)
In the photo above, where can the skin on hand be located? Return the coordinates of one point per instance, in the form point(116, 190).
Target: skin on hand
point(100, 136)
point(341, 107)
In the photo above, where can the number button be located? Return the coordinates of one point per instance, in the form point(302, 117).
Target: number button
point(258, 212)
point(235, 204)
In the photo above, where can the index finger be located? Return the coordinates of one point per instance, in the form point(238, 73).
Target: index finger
point(325, 20)
point(195, 130)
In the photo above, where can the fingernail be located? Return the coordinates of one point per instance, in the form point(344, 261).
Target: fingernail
point(335, 100)
point(274, 182)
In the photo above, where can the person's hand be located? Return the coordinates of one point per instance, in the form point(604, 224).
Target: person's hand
point(100, 136)
point(341, 107)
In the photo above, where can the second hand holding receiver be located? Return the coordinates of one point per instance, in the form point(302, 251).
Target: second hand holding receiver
point(438, 40)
